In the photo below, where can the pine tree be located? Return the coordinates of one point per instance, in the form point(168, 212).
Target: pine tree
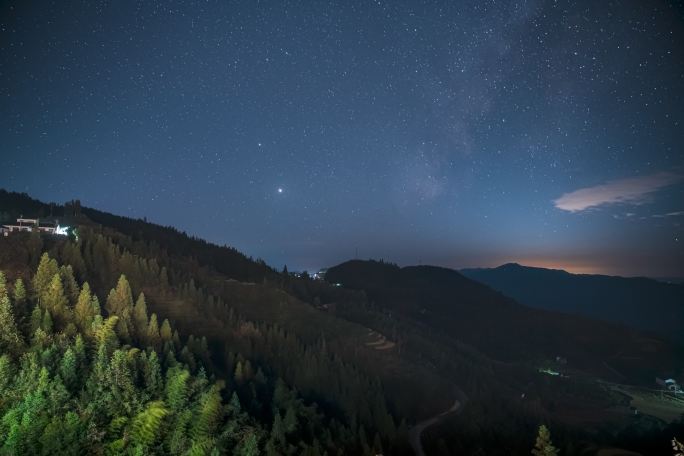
point(234, 407)
point(153, 338)
point(249, 446)
point(98, 373)
point(36, 318)
point(278, 429)
point(120, 298)
point(290, 420)
point(120, 303)
point(72, 256)
point(203, 348)
point(21, 311)
point(281, 394)
point(152, 373)
point(186, 357)
point(543, 446)
point(104, 333)
point(178, 442)
point(47, 324)
point(259, 377)
point(10, 338)
point(80, 353)
point(239, 375)
point(140, 318)
point(209, 415)
point(165, 331)
point(247, 370)
point(95, 303)
point(83, 311)
point(176, 388)
point(71, 289)
point(120, 382)
point(19, 292)
point(146, 426)
point(67, 369)
point(56, 302)
point(176, 339)
point(47, 268)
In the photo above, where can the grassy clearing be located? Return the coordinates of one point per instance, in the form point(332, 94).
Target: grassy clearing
point(663, 406)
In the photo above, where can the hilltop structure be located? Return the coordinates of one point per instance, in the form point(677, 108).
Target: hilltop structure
point(671, 385)
point(34, 225)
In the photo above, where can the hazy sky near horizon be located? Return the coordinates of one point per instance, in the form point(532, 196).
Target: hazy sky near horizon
point(468, 133)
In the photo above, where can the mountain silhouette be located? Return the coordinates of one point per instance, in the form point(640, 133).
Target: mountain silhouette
point(640, 303)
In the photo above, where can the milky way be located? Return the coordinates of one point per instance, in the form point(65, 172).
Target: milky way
point(303, 132)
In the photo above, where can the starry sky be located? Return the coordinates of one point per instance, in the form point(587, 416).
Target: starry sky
point(456, 133)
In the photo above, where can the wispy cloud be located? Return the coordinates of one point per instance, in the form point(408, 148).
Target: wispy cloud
point(669, 214)
point(632, 190)
point(625, 216)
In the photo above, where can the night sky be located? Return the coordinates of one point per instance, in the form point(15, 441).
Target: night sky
point(457, 133)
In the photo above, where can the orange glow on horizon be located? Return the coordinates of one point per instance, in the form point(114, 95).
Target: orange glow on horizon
point(575, 267)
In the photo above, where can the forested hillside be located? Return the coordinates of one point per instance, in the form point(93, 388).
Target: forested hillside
point(181, 346)
point(636, 302)
point(500, 326)
point(296, 389)
point(76, 377)
point(74, 381)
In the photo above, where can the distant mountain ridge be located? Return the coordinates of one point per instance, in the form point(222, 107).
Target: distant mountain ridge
point(476, 314)
point(637, 302)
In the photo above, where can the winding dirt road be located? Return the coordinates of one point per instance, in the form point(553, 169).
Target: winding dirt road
point(416, 431)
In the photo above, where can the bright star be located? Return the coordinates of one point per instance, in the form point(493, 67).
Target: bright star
point(280, 190)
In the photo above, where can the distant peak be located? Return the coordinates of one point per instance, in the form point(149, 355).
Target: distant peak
point(521, 267)
point(510, 266)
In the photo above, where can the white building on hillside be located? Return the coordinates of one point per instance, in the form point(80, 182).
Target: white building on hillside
point(31, 225)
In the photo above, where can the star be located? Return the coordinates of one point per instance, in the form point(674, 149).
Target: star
point(445, 141)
